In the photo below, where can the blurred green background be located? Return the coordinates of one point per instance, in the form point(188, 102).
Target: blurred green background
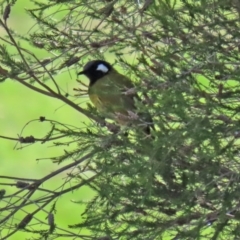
point(20, 105)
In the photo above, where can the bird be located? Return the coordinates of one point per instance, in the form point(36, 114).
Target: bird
point(113, 95)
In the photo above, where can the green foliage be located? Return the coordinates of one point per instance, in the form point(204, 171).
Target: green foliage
point(182, 182)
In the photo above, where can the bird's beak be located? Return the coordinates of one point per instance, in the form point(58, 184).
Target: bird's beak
point(82, 72)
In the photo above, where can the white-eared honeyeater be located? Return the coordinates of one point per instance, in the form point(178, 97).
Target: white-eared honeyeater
point(108, 92)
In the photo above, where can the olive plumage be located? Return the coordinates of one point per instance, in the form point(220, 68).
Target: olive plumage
point(108, 91)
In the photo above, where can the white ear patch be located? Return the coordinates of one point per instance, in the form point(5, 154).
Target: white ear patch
point(103, 68)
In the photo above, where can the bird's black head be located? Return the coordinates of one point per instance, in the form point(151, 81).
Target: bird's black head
point(95, 70)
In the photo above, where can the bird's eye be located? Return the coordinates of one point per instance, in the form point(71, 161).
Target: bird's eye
point(102, 68)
